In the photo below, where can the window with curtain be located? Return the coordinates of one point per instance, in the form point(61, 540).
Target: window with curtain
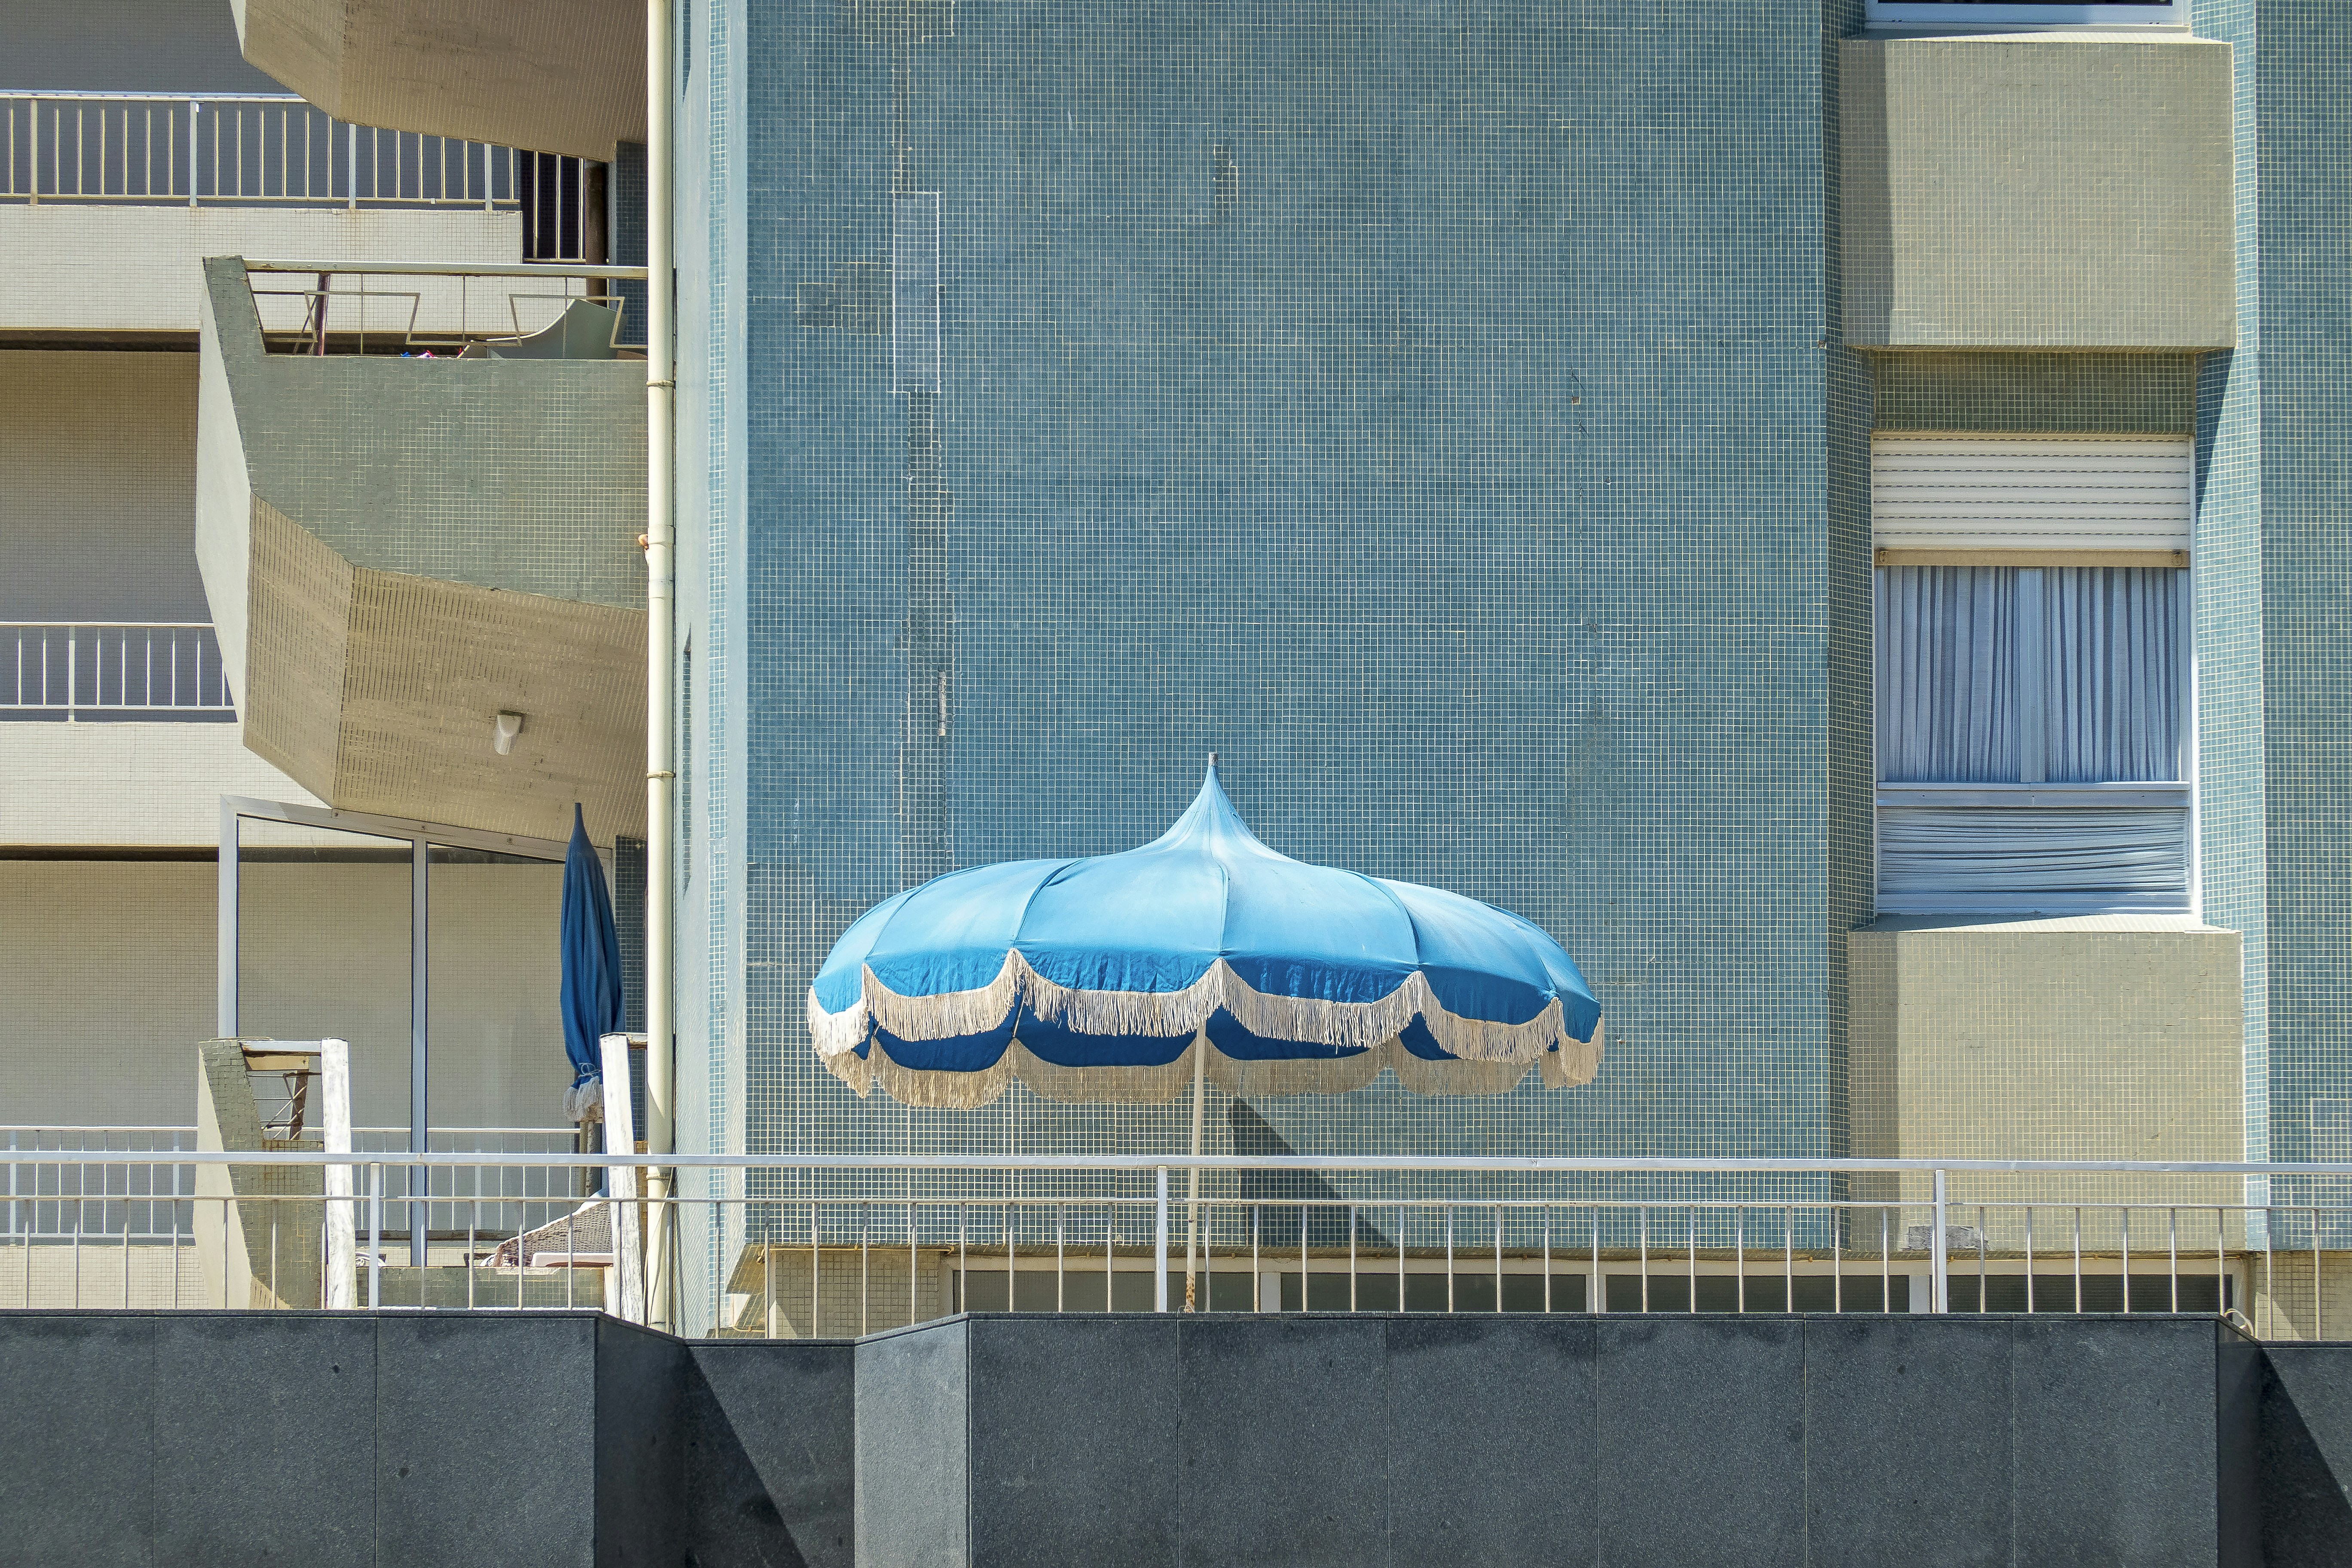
point(2032, 730)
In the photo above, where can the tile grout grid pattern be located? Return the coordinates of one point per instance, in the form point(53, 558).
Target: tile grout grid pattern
point(1421, 408)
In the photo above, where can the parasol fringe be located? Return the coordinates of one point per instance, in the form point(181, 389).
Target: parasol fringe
point(852, 1069)
point(1368, 1029)
point(1464, 1077)
point(1112, 1086)
point(838, 1034)
point(941, 1091)
point(1577, 1061)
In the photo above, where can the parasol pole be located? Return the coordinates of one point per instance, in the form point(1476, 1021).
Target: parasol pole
point(1193, 1177)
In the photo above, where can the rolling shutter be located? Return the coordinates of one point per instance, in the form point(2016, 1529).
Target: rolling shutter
point(2031, 492)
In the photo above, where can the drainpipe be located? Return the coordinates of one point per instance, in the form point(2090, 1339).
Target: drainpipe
point(661, 591)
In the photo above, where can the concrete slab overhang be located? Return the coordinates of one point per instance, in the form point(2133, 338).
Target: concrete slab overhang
point(555, 76)
point(2037, 192)
point(397, 551)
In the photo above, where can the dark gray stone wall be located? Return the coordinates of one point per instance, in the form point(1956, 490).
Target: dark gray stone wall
point(2305, 1462)
point(1428, 1441)
point(508, 1439)
point(1419, 1441)
point(768, 1427)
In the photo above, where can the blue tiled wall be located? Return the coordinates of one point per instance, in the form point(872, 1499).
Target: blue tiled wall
point(1451, 452)
point(2301, 64)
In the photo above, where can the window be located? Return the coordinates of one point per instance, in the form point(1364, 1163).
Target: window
point(1999, 14)
point(686, 763)
point(2033, 732)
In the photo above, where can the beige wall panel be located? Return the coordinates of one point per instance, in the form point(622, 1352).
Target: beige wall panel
point(299, 608)
point(98, 475)
point(2102, 1037)
point(108, 969)
point(431, 665)
point(122, 785)
point(120, 269)
point(2020, 191)
point(108, 966)
point(223, 508)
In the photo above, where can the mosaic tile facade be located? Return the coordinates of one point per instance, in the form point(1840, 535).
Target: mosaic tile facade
point(2073, 394)
point(1437, 413)
point(1423, 408)
point(2304, 202)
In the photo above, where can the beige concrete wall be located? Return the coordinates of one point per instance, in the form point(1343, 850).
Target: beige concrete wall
point(126, 784)
point(109, 968)
point(2021, 191)
point(2093, 1037)
point(97, 478)
point(92, 267)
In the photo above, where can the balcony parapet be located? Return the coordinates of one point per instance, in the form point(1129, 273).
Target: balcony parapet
point(399, 547)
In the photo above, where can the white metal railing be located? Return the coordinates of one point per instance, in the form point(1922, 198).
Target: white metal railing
point(313, 308)
point(841, 1245)
point(245, 148)
point(69, 669)
point(135, 1193)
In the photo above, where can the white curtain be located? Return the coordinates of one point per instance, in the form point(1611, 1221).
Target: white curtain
point(2112, 672)
point(2116, 855)
point(2107, 645)
point(1947, 674)
point(2031, 675)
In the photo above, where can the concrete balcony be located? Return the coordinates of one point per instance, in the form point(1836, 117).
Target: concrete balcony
point(399, 547)
point(560, 76)
point(2031, 191)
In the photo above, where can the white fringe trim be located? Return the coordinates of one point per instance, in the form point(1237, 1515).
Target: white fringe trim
point(1491, 1057)
point(935, 1090)
point(1345, 1025)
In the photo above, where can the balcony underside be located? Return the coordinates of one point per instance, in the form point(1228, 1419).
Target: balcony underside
point(555, 76)
point(377, 691)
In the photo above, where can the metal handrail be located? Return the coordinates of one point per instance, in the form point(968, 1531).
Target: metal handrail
point(450, 269)
point(1414, 1163)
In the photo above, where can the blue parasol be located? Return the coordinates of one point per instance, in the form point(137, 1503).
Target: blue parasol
point(591, 995)
point(1099, 979)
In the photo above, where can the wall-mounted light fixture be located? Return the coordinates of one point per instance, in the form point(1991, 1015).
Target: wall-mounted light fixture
point(502, 737)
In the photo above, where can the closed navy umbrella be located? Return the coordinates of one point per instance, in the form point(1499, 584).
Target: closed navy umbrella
point(591, 993)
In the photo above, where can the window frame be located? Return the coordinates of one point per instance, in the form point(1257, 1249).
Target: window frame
point(1943, 14)
point(2172, 795)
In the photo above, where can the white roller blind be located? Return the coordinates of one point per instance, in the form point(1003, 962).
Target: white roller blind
point(2031, 492)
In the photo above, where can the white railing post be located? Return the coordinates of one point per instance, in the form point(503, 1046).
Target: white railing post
point(33, 151)
point(351, 161)
point(195, 106)
point(376, 1235)
point(73, 669)
point(335, 1065)
point(1940, 1275)
point(1160, 1246)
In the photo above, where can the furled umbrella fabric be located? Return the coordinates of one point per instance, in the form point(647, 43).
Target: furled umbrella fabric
point(591, 998)
point(1096, 979)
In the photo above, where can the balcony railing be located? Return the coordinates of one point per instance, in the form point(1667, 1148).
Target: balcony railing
point(81, 671)
point(801, 1245)
point(442, 309)
point(249, 149)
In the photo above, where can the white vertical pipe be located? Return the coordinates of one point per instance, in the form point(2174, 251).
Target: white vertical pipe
point(661, 764)
point(420, 1040)
point(225, 940)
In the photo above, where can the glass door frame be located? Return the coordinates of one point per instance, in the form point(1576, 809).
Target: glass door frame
point(420, 838)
